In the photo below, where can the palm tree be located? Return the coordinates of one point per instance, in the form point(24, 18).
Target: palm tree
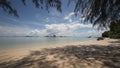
point(98, 12)
point(7, 7)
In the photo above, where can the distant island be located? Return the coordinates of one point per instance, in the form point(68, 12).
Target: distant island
point(53, 36)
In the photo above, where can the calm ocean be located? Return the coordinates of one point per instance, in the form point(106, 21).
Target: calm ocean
point(21, 42)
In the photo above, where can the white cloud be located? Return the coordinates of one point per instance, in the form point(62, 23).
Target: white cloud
point(69, 17)
point(93, 33)
point(50, 19)
point(13, 19)
point(13, 31)
point(65, 29)
point(78, 25)
point(20, 31)
point(58, 29)
point(37, 32)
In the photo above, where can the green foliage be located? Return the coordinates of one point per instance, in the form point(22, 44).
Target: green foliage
point(98, 12)
point(6, 5)
point(114, 30)
point(105, 34)
point(115, 26)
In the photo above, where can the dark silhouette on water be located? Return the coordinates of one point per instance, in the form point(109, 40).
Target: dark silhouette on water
point(51, 35)
point(54, 35)
point(89, 36)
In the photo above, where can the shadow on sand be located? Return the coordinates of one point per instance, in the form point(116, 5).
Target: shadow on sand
point(92, 56)
point(118, 41)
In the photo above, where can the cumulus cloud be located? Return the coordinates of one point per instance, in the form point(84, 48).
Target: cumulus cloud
point(61, 29)
point(64, 29)
point(20, 31)
point(58, 29)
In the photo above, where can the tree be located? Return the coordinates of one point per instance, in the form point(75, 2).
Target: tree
point(114, 31)
point(98, 12)
point(7, 7)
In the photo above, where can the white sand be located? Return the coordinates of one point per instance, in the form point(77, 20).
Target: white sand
point(16, 54)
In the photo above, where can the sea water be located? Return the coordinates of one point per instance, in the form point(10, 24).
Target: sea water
point(21, 42)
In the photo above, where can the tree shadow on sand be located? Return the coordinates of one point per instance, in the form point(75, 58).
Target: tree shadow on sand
point(118, 41)
point(94, 56)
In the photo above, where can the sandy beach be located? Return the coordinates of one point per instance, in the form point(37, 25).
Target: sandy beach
point(87, 54)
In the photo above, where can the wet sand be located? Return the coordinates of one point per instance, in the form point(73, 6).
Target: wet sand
point(87, 54)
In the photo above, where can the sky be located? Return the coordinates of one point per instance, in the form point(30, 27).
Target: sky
point(39, 22)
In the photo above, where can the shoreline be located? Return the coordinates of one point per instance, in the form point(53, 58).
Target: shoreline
point(95, 54)
point(18, 54)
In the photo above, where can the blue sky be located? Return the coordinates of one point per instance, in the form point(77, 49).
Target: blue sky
point(38, 22)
